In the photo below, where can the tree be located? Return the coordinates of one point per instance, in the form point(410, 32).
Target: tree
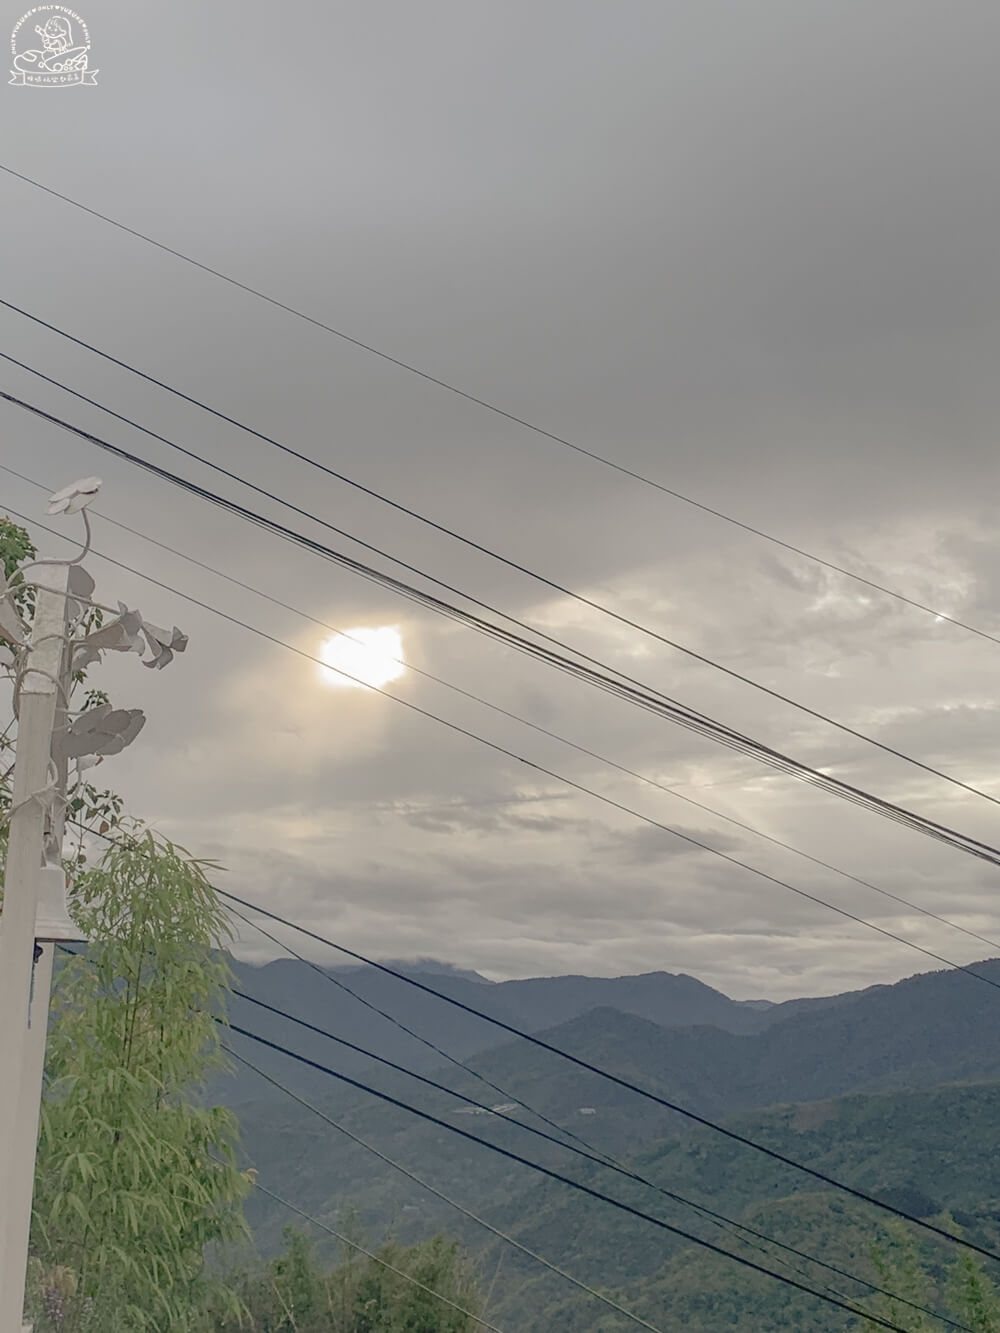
point(974, 1296)
point(135, 1177)
point(387, 1303)
point(962, 1291)
point(292, 1294)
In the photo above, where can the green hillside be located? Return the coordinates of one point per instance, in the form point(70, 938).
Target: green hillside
point(927, 1152)
point(895, 1090)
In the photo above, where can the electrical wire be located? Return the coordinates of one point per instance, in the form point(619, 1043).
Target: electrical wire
point(652, 701)
point(516, 717)
point(523, 721)
point(254, 907)
point(512, 564)
point(288, 534)
point(439, 1194)
point(558, 777)
point(582, 1286)
point(642, 628)
point(588, 1151)
point(851, 1307)
point(585, 1149)
point(645, 697)
point(402, 1027)
point(727, 1224)
point(552, 773)
point(375, 1258)
point(499, 411)
point(668, 1105)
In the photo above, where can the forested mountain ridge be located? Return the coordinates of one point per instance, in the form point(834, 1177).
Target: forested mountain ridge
point(932, 1028)
point(895, 1089)
point(535, 1004)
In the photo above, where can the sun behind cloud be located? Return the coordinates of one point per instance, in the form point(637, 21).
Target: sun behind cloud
point(360, 657)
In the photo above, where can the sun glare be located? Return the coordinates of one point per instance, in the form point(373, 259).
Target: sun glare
point(370, 656)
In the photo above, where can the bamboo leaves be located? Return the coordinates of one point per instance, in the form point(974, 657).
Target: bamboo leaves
point(135, 1177)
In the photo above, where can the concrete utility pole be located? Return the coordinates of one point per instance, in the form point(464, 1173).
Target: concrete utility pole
point(35, 915)
point(32, 795)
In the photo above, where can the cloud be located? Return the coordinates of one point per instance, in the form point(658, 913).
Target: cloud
point(493, 816)
point(651, 846)
point(779, 301)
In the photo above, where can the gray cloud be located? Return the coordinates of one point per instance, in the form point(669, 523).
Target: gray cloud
point(751, 254)
point(650, 846)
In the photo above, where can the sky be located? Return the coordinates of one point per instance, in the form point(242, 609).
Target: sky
point(748, 251)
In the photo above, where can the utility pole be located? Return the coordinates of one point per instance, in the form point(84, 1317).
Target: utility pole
point(35, 916)
point(33, 793)
point(52, 924)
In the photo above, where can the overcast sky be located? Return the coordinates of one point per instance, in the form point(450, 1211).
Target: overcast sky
point(747, 250)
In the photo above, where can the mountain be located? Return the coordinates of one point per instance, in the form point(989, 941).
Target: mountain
point(894, 1088)
point(937, 1028)
point(664, 998)
point(418, 967)
point(723, 1053)
point(925, 1152)
point(931, 1030)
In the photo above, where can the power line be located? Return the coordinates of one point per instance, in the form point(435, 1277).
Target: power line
point(534, 1040)
point(539, 1042)
point(373, 1008)
point(501, 412)
point(552, 773)
point(653, 701)
point(452, 1203)
point(287, 534)
point(585, 1150)
point(409, 1174)
point(375, 1258)
point(726, 1224)
point(599, 1195)
point(512, 564)
point(516, 717)
point(718, 1219)
point(573, 1059)
point(588, 1151)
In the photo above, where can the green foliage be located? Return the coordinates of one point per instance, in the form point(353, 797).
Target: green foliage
point(293, 1293)
point(943, 1140)
point(135, 1178)
point(387, 1303)
point(975, 1296)
point(16, 547)
point(902, 1270)
point(953, 1284)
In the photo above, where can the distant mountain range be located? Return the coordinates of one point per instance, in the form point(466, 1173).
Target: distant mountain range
point(417, 967)
point(661, 997)
point(850, 1027)
point(898, 1086)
